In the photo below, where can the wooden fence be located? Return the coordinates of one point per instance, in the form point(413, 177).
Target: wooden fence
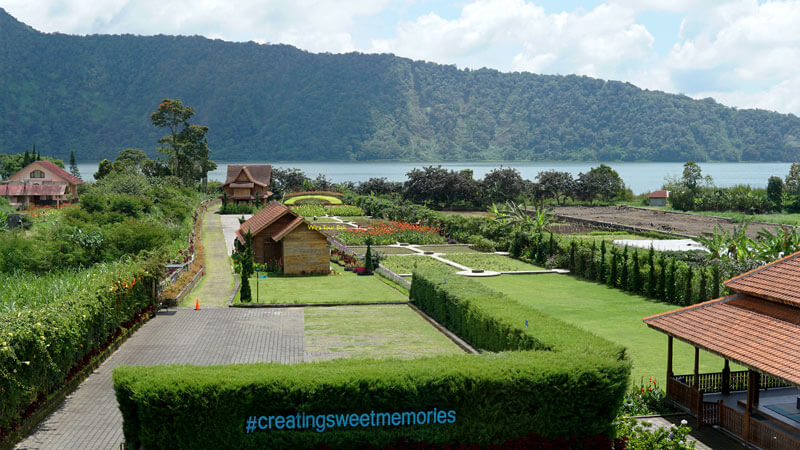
point(712, 382)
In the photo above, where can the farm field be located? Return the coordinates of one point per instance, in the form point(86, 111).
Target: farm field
point(372, 331)
point(341, 287)
point(490, 261)
point(409, 263)
point(610, 313)
point(656, 219)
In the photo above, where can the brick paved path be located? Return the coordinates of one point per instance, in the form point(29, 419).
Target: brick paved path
point(90, 417)
point(216, 286)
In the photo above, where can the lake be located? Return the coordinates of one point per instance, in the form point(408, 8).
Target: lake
point(639, 176)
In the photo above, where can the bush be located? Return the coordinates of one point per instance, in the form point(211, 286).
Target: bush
point(481, 244)
point(135, 235)
point(309, 210)
point(236, 208)
point(572, 385)
point(344, 210)
point(41, 347)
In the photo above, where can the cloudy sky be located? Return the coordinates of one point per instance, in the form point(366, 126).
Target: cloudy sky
point(742, 53)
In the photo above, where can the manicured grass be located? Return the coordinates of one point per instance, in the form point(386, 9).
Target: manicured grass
point(610, 313)
point(328, 198)
point(386, 250)
point(341, 287)
point(372, 331)
point(409, 263)
point(362, 220)
point(490, 261)
point(447, 248)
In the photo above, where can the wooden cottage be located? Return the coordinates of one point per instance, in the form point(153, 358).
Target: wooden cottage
point(279, 234)
point(40, 183)
point(757, 327)
point(246, 183)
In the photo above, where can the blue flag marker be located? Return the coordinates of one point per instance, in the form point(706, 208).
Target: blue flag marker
point(445, 280)
point(526, 323)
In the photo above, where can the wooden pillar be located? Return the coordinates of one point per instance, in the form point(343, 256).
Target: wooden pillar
point(696, 382)
point(753, 380)
point(726, 378)
point(670, 375)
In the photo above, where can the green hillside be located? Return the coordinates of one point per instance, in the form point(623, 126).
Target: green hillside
point(94, 94)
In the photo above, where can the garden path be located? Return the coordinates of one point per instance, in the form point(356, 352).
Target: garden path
point(216, 286)
point(230, 223)
point(90, 419)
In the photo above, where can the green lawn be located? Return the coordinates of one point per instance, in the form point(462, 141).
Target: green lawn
point(610, 313)
point(490, 261)
point(341, 287)
point(372, 331)
point(447, 249)
point(408, 263)
point(385, 249)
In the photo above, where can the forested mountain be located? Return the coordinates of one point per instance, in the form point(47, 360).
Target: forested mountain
point(94, 95)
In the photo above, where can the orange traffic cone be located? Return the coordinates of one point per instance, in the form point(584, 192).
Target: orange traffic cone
point(197, 304)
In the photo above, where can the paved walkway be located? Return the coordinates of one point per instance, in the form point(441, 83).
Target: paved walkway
point(90, 419)
point(216, 286)
point(230, 223)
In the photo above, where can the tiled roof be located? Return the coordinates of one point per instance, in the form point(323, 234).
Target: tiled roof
point(59, 171)
point(260, 174)
point(751, 331)
point(279, 234)
point(265, 217)
point(658, 194)
point(778, 281)
point(32, 189)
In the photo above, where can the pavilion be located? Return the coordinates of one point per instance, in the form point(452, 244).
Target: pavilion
point(757, 327)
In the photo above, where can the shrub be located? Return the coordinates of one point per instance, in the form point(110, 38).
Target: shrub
point(309, 210)
point(344, 210)
point(572, 385)
point(481, 244)
point(236, 208)
point(41, 347)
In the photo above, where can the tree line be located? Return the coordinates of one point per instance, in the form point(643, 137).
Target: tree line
point(276, 102)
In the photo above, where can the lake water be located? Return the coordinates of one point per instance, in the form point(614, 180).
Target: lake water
point(640, 177)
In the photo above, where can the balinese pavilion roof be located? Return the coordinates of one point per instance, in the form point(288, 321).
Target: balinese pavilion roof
point(758, 326)
point(260, 174)
point(756, 333)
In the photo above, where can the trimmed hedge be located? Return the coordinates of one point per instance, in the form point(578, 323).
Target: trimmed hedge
point(41, 347)
point(566, 383)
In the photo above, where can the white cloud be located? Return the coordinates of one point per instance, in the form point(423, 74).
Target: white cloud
point(314, 25)
point(597, 42)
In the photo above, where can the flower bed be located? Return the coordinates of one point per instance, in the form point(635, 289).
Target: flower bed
point(383, 233)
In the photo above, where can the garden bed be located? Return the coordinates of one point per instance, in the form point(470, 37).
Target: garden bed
point(448, 249)
point(343, 287)
point(386, 250)
point(490, 261)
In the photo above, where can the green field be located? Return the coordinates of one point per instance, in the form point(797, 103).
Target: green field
point(327, 198)
point(372, 331)
point(341, 287)
point(448, 249)
point(490, 261)
point(610, 313)
point(409, 263)
point(384, 249)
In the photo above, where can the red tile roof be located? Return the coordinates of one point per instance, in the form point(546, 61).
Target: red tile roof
point(658, 194)
point(751, 331)
point(59, 171)
point(778, 281)
point(32, 189)
point(279, 234)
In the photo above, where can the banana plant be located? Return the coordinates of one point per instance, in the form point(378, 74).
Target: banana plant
point(517, 215)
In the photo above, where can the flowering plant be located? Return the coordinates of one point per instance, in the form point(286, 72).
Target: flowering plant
point(643, 436)
point(383, 233)
point(645, 399)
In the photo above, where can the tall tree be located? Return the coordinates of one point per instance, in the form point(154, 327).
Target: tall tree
point(692, 175)
point(558, 185)
point(793, 179)
point(601, 181)
point(186, 145)
point(73, 166)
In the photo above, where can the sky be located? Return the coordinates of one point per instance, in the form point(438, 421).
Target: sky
point(743, 53)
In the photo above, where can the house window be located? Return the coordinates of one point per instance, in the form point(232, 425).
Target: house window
point(37, 174)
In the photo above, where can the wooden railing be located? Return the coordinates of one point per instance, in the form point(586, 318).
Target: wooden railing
point(770, 438)
point(712, 382)
point(711, 413)
point(731, 420)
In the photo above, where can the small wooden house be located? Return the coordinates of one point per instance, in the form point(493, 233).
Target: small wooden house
point(658, 198)
point(40, 183)
point(246, 183)
point(280, 234)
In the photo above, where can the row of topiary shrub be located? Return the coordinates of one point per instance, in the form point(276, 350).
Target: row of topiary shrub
point(548, 379)
point(670, 277)
point(40, 348)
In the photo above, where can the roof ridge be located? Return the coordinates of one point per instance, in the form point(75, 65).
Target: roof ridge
point(702, 305)
point(760, 268)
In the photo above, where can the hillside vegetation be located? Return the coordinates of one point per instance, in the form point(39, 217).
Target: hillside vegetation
point(93, 94)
